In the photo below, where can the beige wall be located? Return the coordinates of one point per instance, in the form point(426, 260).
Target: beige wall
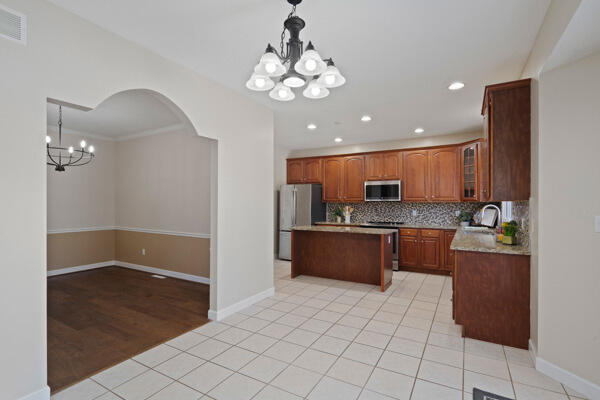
point(183, 254)
point(188, 255)
point(163, 182)
point(73, 60)
point(569, 193)
point(83, 197)
point(159, 182)
point(80, 248)
point(395, 144)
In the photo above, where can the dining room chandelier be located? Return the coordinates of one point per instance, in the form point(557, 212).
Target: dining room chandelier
point(294, 66)
point(61, 157)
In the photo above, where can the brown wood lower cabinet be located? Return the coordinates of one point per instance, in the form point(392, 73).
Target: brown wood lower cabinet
point(491, 297)
point(426, 250)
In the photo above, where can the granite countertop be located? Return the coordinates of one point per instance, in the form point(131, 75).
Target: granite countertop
point(407, 225)
point(485, 243)
point(344, 229)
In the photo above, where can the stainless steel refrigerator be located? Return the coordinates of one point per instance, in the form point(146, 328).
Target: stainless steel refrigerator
point(298, 205)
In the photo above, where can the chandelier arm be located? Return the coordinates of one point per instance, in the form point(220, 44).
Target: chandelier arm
point(75, 162)
point(87, 161)
point(50, 156)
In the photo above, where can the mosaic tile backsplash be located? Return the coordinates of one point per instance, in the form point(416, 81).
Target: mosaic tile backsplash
point(427, 213)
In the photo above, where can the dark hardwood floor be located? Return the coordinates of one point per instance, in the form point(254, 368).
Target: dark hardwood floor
point(101, 317)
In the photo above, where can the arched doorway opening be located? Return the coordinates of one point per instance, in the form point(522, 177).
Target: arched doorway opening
point(129, 235)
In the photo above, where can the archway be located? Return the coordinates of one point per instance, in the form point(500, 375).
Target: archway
point(149, 230)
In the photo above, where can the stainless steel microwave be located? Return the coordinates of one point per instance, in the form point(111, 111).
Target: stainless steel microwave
point(383, 191)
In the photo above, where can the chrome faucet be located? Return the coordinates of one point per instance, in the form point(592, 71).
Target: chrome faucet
point(499, 220)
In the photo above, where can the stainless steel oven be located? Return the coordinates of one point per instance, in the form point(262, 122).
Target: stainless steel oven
point(383, 191)
point(396, 235)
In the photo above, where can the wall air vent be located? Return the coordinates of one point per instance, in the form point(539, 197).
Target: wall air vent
point(13, 25)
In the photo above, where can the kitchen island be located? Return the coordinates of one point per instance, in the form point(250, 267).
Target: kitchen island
point(491, 288)
point(362, 255)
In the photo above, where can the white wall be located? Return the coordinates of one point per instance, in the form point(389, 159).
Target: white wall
point(72, 60)
point(83, 197)
point(569, 193)
point(163, 183)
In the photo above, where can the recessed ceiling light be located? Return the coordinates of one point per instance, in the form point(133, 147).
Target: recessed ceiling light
point(338, 139)
point(456, 85)
point(365, 118)
point(419, 130)
point(311, 126)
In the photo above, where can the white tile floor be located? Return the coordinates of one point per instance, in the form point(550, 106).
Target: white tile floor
point(325, 339)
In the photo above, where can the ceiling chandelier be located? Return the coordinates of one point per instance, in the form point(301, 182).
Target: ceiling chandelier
point(61, 157)
point(294, 67)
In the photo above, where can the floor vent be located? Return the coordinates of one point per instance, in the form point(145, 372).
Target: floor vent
point(13, 25)
point(158, 276)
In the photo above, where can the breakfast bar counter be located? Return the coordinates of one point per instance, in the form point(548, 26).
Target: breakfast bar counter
point(362, 255)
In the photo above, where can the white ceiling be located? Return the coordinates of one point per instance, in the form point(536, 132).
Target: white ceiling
point(581, 37)
point(123, 115)
point(398, 56)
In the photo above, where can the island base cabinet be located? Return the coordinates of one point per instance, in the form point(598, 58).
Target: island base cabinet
point(354, 257)
point(491, 297)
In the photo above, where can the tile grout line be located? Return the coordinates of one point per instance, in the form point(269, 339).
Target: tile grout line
point(426, 342)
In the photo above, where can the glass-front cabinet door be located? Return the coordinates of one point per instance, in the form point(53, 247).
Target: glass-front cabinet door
point(468, 176)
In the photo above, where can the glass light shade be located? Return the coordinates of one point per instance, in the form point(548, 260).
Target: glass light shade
point(293, 80)
point(331, 77)
point(270, 65)
point(260, 83)
point(48, 139)
point(282, 93)
point(82, 144)
point(310, 63)
point(71, 149)
point(315, 90)
point(91, 149)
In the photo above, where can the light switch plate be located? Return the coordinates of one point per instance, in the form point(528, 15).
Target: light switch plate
point(598, 223)
point(414, 213)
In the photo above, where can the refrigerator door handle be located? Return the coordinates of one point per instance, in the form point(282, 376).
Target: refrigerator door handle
point(295, 210)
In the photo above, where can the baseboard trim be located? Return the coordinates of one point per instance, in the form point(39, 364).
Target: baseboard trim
point(583, 386)
point(532, 351)
point(80, 268)
point(219, 315)
point(42, 394)
point(165, 272)
point(151, 270)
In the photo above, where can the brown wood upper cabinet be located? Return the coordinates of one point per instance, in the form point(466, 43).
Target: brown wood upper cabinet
point(343, 179)
point(333, 179)
point(444, 176)
point(507, 128)
point(469, 167)
point(307, 170)
point(431, 175)
point(383, 166)
point(415, 176)
point(354, 178)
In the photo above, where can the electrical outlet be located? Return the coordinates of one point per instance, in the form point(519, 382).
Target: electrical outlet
point(598, 223)
point(457, 213)
point(143, 252)
point(414, 213)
